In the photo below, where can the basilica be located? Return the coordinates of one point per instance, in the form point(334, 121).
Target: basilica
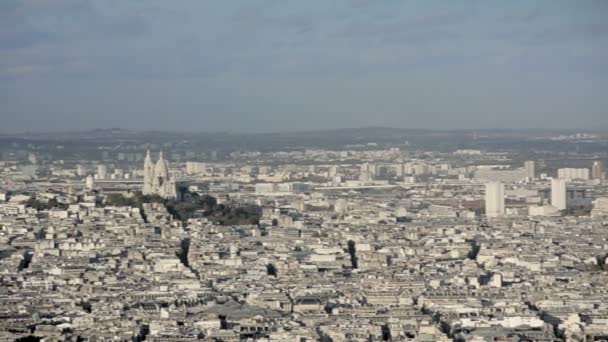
point(157, 180)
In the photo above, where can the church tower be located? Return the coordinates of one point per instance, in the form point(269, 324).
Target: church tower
point(157, 180)
point(161, 174)
point(148, 175)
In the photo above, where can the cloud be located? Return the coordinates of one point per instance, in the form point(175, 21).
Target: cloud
point(22, 38)
point(26, 69)
point(155, 39)
point(526, 16)
point(8, 7)
point(569, 34)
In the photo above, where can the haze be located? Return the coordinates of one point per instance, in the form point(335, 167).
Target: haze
point(257, 66)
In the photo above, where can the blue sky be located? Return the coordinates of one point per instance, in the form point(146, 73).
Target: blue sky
point(273, 65)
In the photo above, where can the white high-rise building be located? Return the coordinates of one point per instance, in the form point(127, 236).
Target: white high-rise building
point(367, 173)
point(90, 182)
point(102, 171)
point(81, 170)
point(558, 193)
point(495, 199)
point(157, 180)
point(597, 170)
point(32, 158)
point(530, 169)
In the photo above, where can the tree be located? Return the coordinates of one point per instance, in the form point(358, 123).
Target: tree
point(38, 205)
point(271, 270)
point(224, 214)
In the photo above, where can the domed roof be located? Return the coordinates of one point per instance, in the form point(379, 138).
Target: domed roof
point(161, 169)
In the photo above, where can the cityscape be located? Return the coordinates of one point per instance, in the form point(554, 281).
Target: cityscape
point(107, 236)
point(303, 170)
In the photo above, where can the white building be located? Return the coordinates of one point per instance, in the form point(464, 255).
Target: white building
point(81, 170)
point(495, 199)
point(543, 210)
point(157, 180)
point(572, 173)
point(600, 207)
point(102, 171)
point(367, 173)
point(90, 182)
point(265, 188)
point(558, 193)
point(597, 170)
point(196, 168)
point(507, 176)
point(530, 169)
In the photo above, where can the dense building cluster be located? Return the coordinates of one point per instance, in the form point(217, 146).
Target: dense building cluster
point(359, 244)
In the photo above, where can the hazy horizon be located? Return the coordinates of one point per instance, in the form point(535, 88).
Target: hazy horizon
point(570, 130)
point(286, 66)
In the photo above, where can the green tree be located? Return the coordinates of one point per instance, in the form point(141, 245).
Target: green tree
point(271, 270)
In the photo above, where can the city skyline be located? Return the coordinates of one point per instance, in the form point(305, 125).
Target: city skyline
point(321, 237)
point(245, 132)
point(303, 170)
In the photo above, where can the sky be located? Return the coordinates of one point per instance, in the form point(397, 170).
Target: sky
point(293, 65)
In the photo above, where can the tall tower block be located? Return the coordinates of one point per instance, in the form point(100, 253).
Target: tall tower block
point(495, 199)
point(558, 193)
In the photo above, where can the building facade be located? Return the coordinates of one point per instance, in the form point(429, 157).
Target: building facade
point(495, 199)
point(573, 173)
point(530, 169)
point(558, 193)
point(157, 180)
point(597, 170)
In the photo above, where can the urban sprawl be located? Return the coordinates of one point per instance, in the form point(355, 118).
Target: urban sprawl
point(364, 242)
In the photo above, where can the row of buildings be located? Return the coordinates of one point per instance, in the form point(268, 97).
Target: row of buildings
point(470, 247)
